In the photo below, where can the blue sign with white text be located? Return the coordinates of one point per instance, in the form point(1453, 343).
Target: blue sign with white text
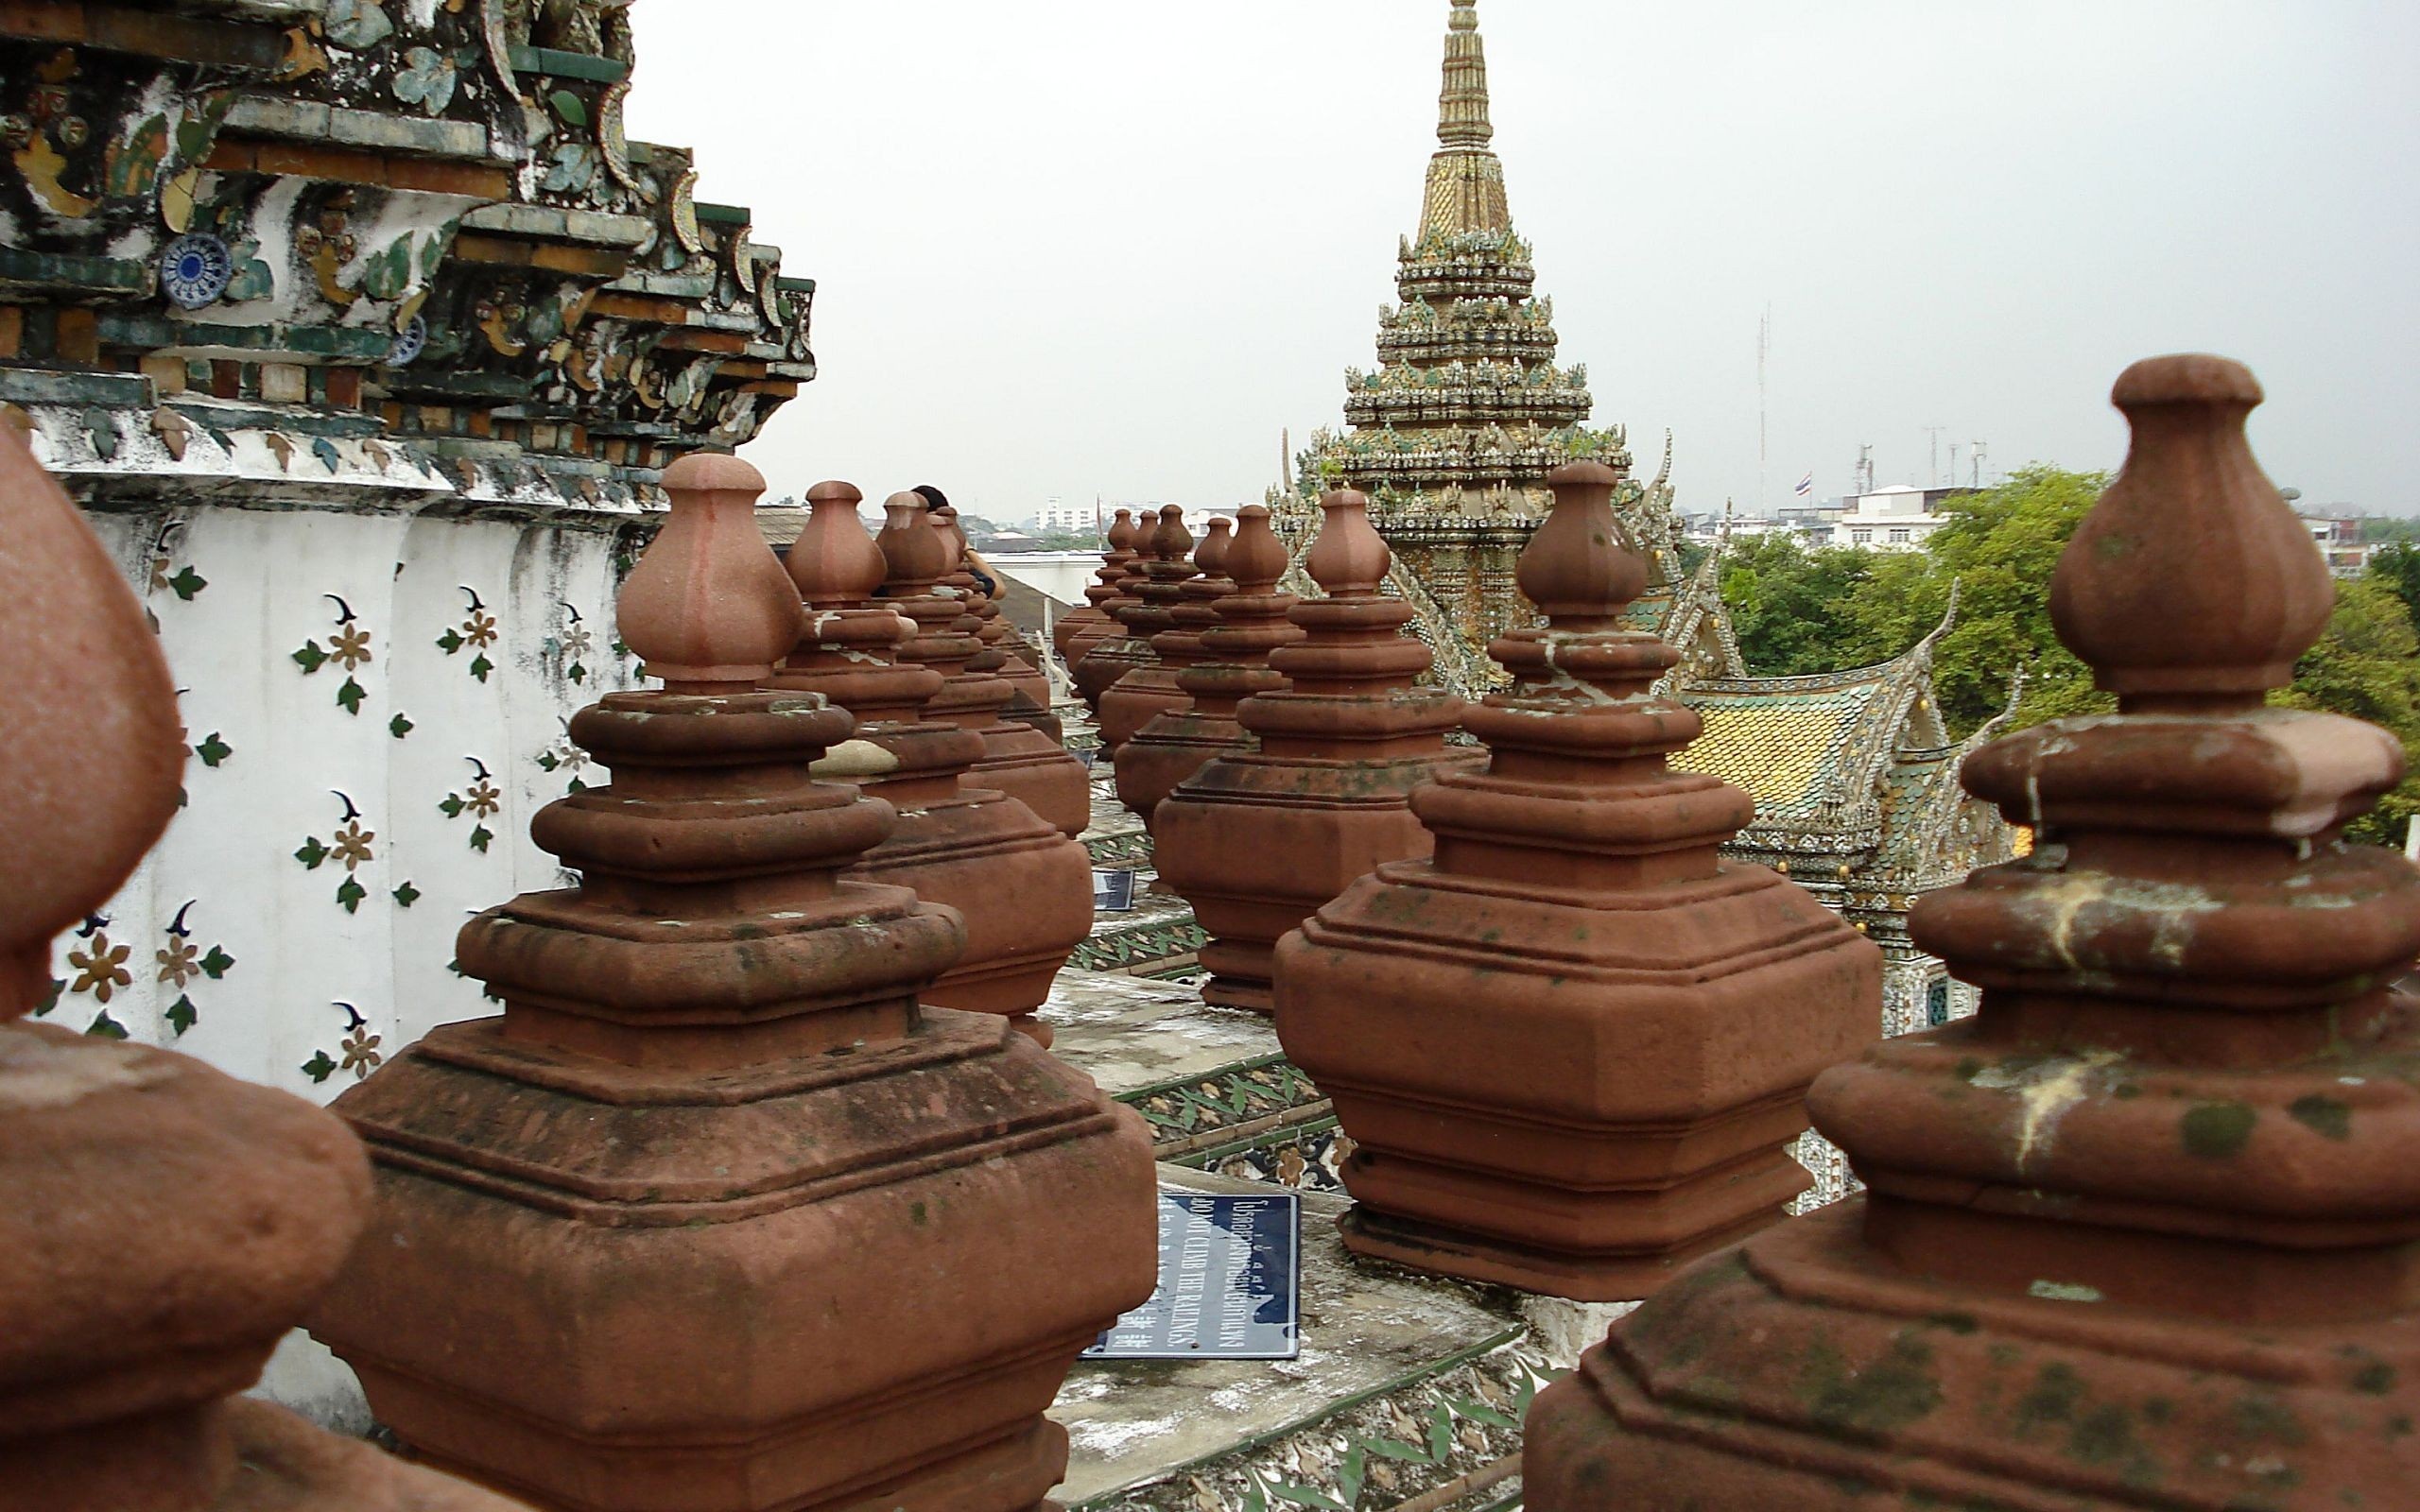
point(1229, 1282)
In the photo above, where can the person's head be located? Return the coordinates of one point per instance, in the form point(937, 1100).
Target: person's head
point(933, 497)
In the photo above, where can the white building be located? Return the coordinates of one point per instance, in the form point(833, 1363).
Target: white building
point(1061, 515)
point(2339, 540)
point(1898, 518)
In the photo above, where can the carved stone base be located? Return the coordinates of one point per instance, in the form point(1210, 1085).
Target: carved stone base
point(1580, 1278)
point(1023, 888)
point(844, 1280)
point(1793, 1373)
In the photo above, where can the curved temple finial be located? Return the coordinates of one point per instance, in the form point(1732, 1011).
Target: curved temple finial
point(2190, 580)
point(90, 747)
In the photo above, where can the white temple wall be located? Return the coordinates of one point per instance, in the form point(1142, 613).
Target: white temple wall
point(227, 945)
point(296, 924)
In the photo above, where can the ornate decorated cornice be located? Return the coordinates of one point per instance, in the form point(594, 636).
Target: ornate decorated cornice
point(428, 217)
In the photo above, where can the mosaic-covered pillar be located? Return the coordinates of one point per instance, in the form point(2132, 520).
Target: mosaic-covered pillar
point(2145, 1231)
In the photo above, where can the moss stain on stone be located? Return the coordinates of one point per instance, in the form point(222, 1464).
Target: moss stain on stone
point(2218, 1131)
point(2324, 1116)
point(1881, 1395)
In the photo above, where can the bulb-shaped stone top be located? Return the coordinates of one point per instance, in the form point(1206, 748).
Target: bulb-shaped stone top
point(917, 555)
point(1171, 541)
point(1257, 559)
point(1579, 568)
point(90, 747)
point(1210, 557)
point(1349, 559)
point(2190, 584)
point(709, 607)
point(944, 519)
point(834, 563)
point(1121, 533)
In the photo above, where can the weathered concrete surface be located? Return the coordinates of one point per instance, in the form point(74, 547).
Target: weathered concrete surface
point(1131, 1032)
point(1365, 1329)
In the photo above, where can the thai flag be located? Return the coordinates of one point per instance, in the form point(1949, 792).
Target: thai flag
point(1805, 485)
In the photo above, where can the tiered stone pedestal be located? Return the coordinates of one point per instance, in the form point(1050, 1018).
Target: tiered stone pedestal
point(1141, 612)
point(2143, 1233)
point(1572, 1050)
point(1083, 628)
point(1233, 665)
point(1002, 654)
point(1020, 887)
point(1018, 759)
point(1256, 841)
point(668, 1233)
point(1179, 604)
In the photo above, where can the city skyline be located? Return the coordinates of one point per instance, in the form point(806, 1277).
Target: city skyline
point(1047, 270)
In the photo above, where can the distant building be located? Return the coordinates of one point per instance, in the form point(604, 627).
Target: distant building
point(1898, 518)
point(1812, 521)
point(1059, 515)
point(2339, 540)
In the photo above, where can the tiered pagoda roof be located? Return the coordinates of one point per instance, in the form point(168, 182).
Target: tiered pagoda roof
point(1467, 410)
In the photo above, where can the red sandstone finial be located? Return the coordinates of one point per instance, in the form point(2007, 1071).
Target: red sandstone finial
point(1578, 569)
point(1257, 559)
point(708, 606)
point(2190, 579)
point(1349, 558)
point(1210, 557)
point(944, 519)
point(834, 563)
point(913, 550)
point(90, 747)
point(1121, 532)
point(1171, 541)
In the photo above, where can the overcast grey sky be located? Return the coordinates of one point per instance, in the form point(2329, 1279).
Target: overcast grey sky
point(1080, 247)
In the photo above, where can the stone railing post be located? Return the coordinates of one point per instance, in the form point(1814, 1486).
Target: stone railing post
point(2145, 1231)
point(1257, 840)
point(669, 1232)
point(1023, 889)
point(1248, 622)
point(1018, 759)
point(1572, 1050)
point(1079, 630)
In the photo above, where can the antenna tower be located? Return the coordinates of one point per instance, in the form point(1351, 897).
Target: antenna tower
point(1764, 351)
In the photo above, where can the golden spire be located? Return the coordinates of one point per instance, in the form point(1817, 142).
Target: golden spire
point(1462, 109)
point(1465, 177)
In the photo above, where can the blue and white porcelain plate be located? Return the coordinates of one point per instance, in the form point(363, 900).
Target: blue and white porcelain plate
point(196, 270)
point(409, 343)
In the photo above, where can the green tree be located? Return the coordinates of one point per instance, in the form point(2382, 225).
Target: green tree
point(2367, 666)
point(1797, 611)
point(2399, 566)
point(1789, 606)
point(1999, 549)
